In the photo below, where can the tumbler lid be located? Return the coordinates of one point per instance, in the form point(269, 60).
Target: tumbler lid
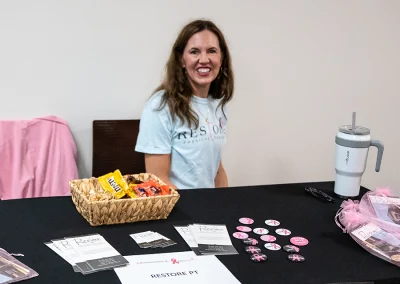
point(358, 130)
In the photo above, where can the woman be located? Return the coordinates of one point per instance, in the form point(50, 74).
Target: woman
point(183, 125)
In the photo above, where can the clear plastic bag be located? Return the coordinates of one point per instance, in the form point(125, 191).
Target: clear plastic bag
point(12, 270)
point(374, 223)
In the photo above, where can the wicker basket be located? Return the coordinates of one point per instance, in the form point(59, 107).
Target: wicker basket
point(117, 211)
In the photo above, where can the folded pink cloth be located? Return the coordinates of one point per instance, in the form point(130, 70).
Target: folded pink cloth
point(37, 158)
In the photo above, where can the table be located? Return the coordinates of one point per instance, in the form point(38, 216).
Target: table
point(331, 256)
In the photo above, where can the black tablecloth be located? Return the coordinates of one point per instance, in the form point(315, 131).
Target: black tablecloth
point(331, 256)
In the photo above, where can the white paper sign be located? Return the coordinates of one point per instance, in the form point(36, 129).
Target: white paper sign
point(176, 268)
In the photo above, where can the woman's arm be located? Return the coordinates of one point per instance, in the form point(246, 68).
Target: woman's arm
point(221, 179)
point(159, 165)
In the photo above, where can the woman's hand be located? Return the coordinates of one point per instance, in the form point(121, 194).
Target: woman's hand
point(221, 179)
point(159, 165)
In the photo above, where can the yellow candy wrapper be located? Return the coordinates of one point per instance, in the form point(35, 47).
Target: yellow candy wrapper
point(131, 190)
point(114, 183)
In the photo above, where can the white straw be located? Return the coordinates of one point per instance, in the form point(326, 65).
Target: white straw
point(353, 126)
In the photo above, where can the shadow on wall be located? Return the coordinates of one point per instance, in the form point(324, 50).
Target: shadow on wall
point(83, 140)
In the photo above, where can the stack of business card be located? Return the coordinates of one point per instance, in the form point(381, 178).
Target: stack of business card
point(207, 239)
point(87, 254)
point(150, 239)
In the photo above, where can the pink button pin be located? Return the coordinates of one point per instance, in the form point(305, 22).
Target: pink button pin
point(268, 238)
point(283, 232)
point(243, 229)
point(246, 221)
point(272, 223)
point(299, 241)
point(240, 235)
point(260, 231)
point(272, 246)
point(250, 241)
point(291, 249)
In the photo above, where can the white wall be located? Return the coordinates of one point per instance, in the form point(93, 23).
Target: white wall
point(301, 68)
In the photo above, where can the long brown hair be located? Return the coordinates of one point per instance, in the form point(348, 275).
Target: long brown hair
point(177, 89)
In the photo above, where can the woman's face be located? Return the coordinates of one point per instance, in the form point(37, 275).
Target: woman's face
point(202, 59)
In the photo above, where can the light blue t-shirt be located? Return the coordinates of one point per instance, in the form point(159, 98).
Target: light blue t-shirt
point(195, 152)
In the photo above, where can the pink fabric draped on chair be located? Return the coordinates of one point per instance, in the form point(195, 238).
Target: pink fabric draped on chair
point(37, 158)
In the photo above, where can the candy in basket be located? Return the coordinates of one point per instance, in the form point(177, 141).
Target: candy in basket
point(117, 199)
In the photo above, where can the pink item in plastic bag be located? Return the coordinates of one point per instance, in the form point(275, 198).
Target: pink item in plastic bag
point(374, 223)
point(383, 191)
point(352, 219)
point(12, 270)
point(350, 205)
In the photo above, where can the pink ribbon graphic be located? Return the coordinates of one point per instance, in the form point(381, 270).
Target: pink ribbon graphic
point(258, 257)
point(174, 261)
point(253, 249)
point(296, 257)
point(239, 235)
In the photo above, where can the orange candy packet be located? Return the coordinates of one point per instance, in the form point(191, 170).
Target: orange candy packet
point(153, 188)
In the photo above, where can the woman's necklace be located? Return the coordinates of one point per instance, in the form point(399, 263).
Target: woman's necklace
point(209, 122)
point(208, 113)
